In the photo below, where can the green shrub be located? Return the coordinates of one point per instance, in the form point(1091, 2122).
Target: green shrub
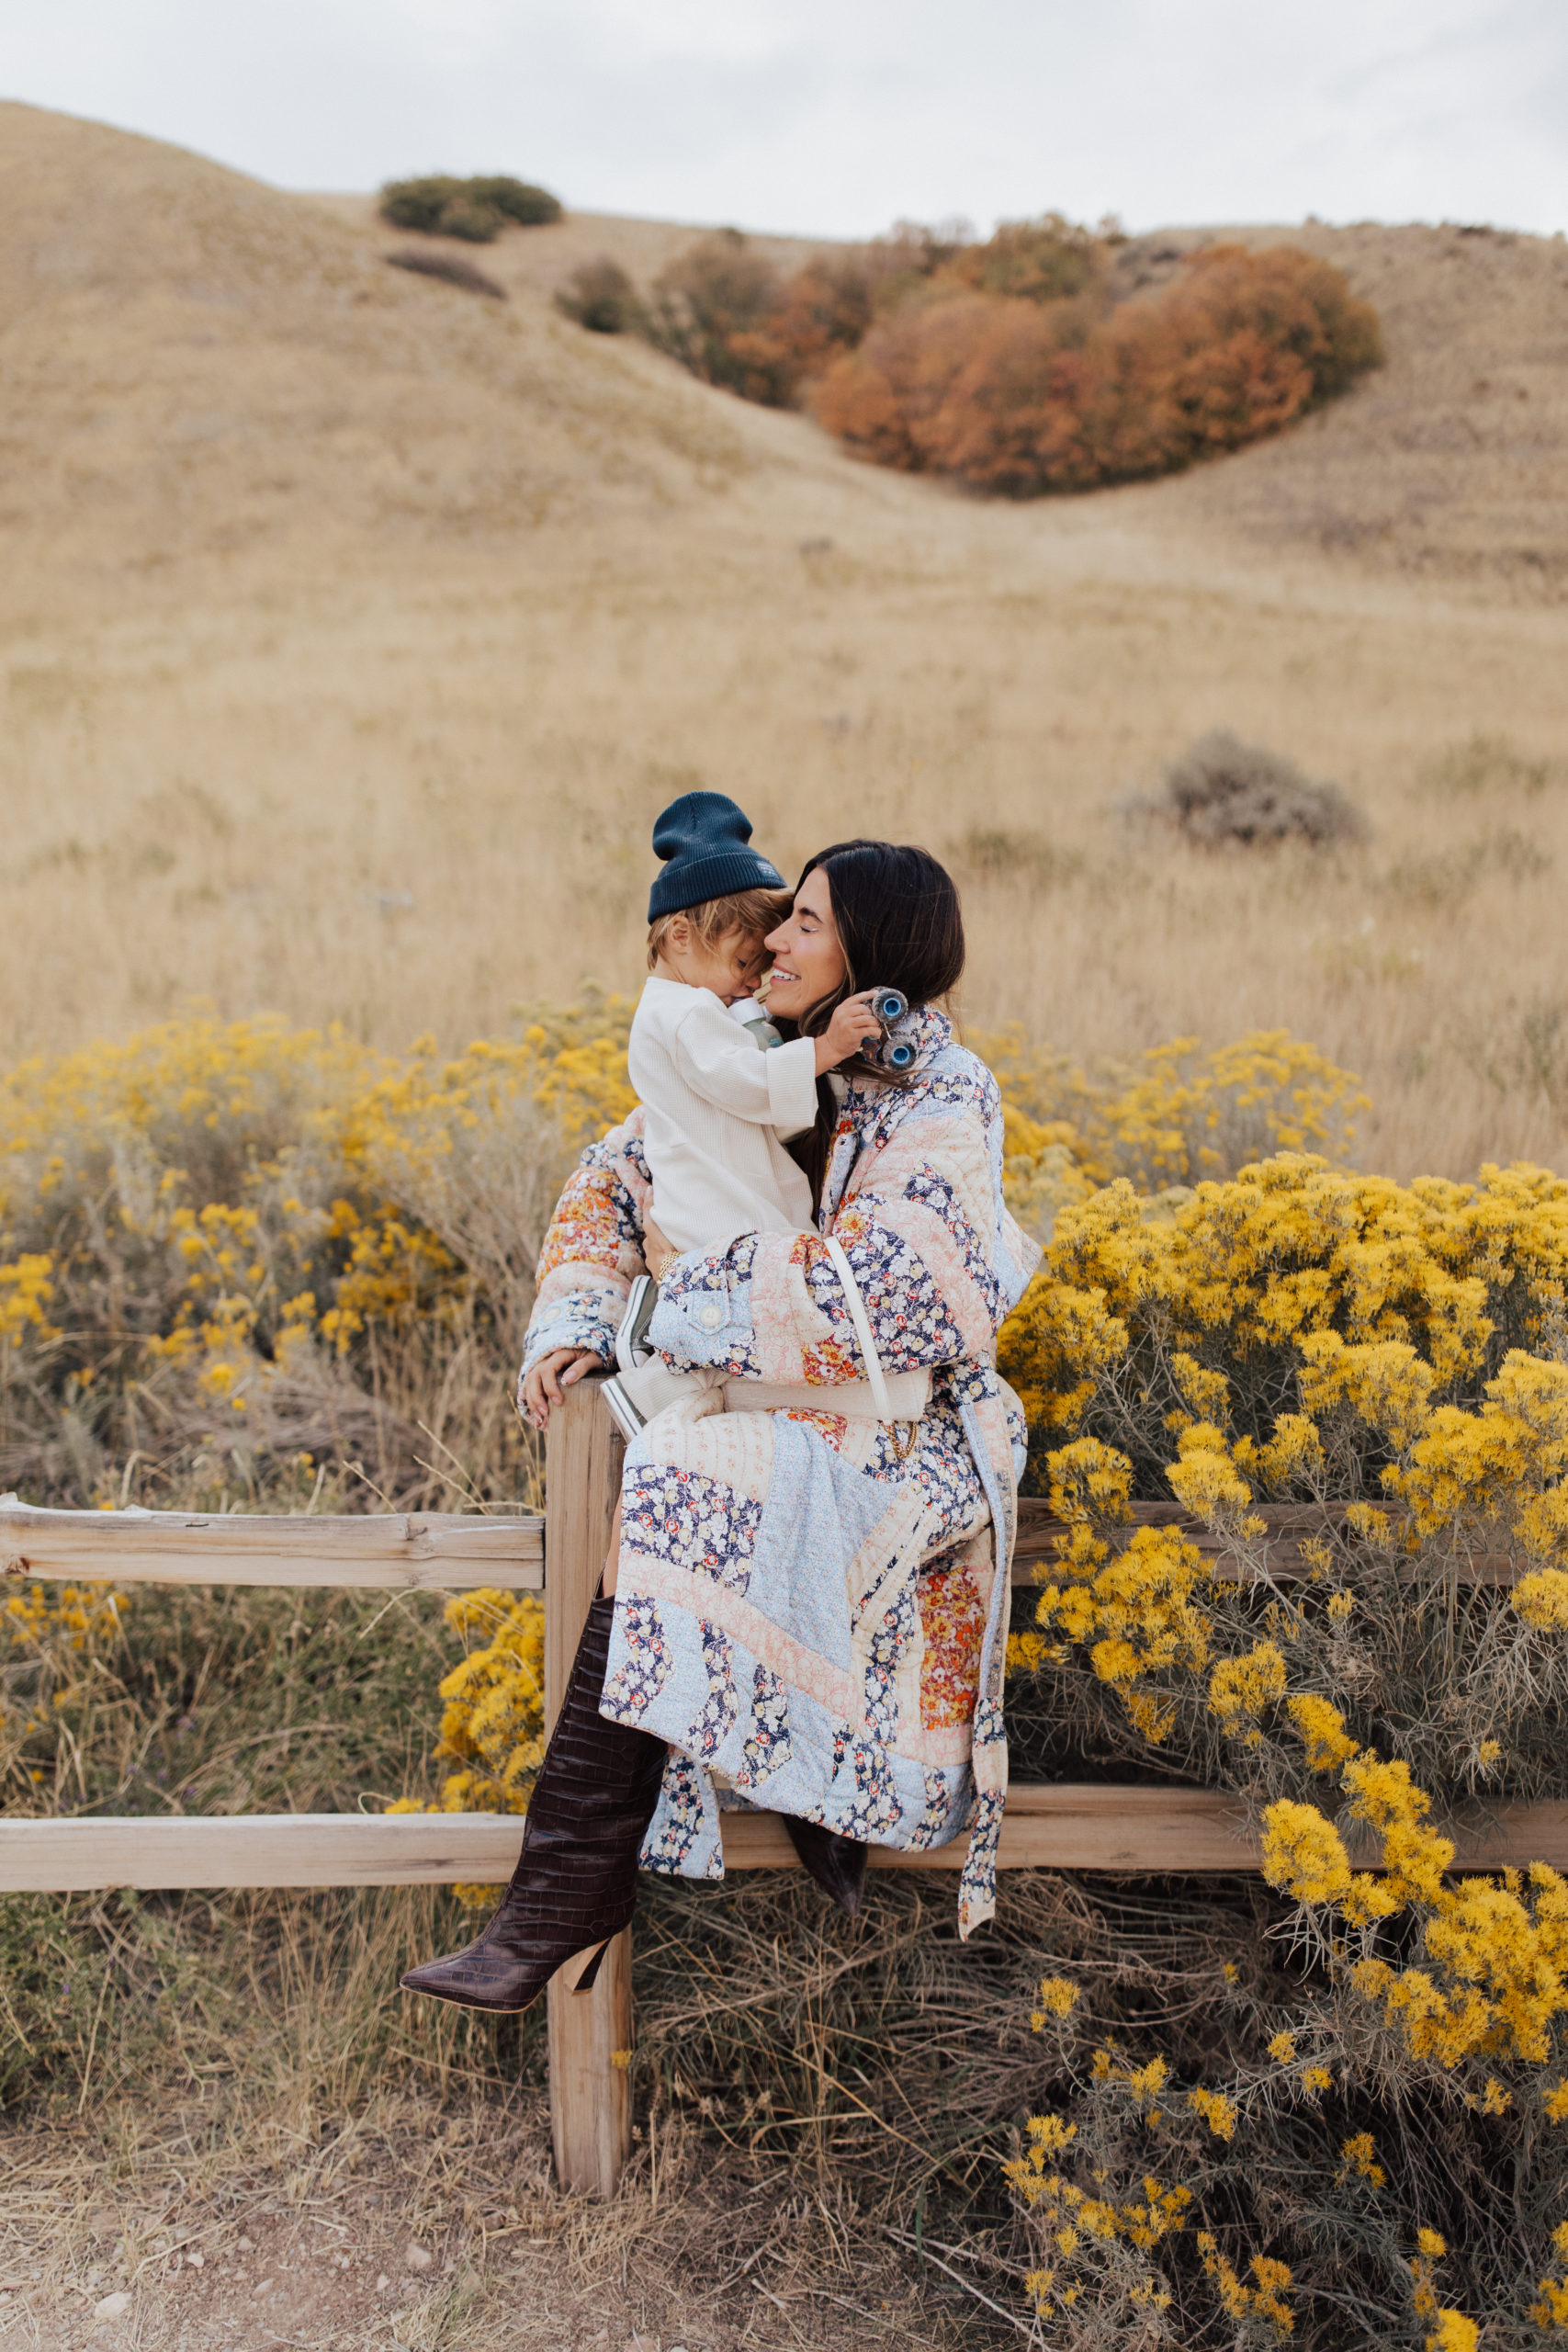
point(475, 209)
point(601, 296)
point(516, 200)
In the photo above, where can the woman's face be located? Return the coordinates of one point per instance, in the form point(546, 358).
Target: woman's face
point(808, 962)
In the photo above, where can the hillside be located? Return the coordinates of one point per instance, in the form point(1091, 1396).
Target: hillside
point(195, 364)
point(353, 627)
point(1453, 460)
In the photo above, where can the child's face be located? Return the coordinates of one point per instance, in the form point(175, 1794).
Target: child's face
point(731, 968)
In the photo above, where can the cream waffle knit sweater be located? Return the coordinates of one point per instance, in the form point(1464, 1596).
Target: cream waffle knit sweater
point(716, 1109)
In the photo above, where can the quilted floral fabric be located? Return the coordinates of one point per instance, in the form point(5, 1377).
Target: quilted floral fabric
point(813, 1624)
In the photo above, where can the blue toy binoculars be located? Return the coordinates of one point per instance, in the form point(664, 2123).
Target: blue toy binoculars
point(890, 1005)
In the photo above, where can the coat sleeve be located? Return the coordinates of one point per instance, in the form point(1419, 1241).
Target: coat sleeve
point(592, 1251)
point(922, 1227)
point(725, 1067)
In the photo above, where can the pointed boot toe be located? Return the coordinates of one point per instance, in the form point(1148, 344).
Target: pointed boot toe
point(575, 1884)
point(478, 1979)
point(502, 1982)
point(837, 1863)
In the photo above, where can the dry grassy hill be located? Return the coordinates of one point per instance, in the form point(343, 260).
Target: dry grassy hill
point(1455, 461)
point(353, 627)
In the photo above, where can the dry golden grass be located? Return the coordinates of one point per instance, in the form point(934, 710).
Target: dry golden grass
point(353, 630)
point(810, 2095)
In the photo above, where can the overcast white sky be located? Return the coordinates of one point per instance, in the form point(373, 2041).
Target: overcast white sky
point(835, 117)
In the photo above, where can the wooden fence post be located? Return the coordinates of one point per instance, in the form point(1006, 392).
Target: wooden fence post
point(591, 2112)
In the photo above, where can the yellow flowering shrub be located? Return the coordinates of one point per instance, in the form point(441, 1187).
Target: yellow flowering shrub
point(223, 1244)
point(492, 1727)
point(1549, 2311)
point(1374, 1302)
point(50, 1637)
point(1264, 2302)
point(26, 1289)
point(493, 1724)
point(1177, 1114)
point(1391, 1365)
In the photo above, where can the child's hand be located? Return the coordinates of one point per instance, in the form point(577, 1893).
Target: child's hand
point(853, 1025)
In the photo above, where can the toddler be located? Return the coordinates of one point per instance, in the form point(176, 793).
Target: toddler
point(718, 1110)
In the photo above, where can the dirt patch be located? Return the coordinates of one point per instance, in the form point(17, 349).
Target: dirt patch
point(430, 2226)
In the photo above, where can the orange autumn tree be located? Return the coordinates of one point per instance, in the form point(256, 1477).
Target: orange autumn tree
point(1016, 395)
point(1020, 363)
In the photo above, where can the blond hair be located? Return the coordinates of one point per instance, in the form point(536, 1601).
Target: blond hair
point(755, 912)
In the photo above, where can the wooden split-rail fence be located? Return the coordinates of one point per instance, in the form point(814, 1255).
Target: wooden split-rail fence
point(1051, 1825)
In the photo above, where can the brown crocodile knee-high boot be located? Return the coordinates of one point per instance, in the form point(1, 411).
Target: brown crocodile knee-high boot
point(575, 1884)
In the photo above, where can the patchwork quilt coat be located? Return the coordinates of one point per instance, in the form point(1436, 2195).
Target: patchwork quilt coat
point(813, 1624)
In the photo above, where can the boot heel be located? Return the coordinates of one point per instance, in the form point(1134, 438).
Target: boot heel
point(578, 1976)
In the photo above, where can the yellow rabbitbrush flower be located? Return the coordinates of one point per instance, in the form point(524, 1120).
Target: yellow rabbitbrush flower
point(1506, 1461)
point(1541, 1600)
point(1383, 1383)
point(1549, 2311)
point(68, 1616)
point(494, 1719)
point(1361, 1350)
point(26, 1287)
point(1264, 2300)
point(1241, 1687)
point(1135, 1611)
point(1359, 2154)
point(1055, 1998)
point(1414, 1858)
point(1178, 1113)
point(1288, 1253)
point(1217, 2111)
point(1204, 1477)
point(1499, 1973)
point(1303, 1854)
point(1322, 1727)
point(228, 1219)
point(493, 1728)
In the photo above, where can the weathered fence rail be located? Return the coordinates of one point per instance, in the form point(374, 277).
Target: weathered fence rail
point(412, 1552)
point(1098, 1826)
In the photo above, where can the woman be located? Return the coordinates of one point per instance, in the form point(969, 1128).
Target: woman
point(805, 1611)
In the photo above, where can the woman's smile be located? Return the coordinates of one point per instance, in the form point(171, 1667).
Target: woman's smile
point(809, 959)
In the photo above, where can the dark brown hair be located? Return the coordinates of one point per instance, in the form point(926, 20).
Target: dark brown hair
point(900, 925)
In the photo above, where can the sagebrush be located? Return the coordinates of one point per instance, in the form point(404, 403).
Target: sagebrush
point(1330, 2100)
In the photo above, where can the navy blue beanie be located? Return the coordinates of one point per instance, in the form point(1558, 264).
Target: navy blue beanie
point(705, 840)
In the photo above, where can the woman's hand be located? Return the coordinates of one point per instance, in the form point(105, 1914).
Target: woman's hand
point(853, 1025)
point(562, 1369)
